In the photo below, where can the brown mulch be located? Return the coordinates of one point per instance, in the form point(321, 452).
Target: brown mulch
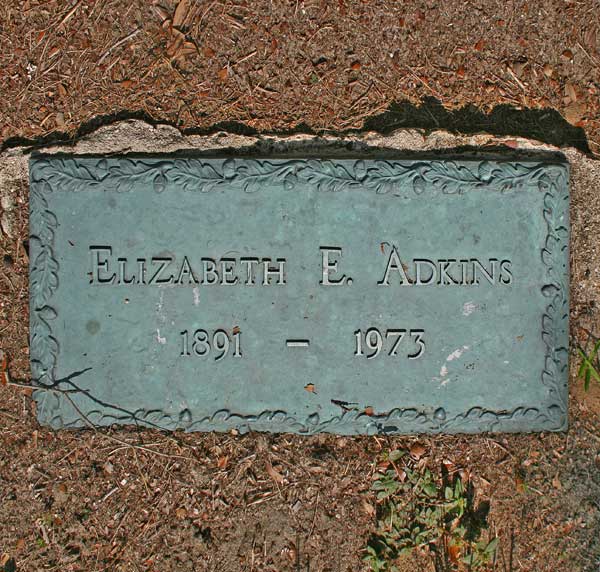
point(520, 67)
point(123, 500)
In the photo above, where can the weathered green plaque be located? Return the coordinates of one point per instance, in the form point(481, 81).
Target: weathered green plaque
point(302, 295)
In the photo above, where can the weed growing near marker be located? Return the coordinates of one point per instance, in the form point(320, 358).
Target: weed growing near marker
point(418, 510)
point(590, 365)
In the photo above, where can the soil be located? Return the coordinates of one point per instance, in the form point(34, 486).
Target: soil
point(304, 65)
point(132, 500)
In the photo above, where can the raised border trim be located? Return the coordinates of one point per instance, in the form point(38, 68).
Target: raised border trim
point(50, 174)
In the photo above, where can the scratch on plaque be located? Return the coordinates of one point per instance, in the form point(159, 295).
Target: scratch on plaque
point(160, 313)
point(196, 293)
point(160, 339)
point(469, 308)
point(457, 353)
point(159, 306)
point(454, 355)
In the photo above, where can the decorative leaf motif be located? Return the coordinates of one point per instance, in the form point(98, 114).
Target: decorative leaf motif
point(197, 175)
point(452, 177)
point(485, 171)
point(46, 313)
point(47, 404)
point(42, 222)
point(43, 280)
point(386, 177)
point(510, 175)
point(65, 174)
point(44, 276)
point(44, 349)
point(253, 175)
point(131, 173)
point(333, 177)
point(555, 212)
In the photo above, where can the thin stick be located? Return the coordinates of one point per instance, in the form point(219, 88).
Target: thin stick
point(312, 526)
point(121, 441)
point(119, 43)
point(69, 14)
point(94, 428)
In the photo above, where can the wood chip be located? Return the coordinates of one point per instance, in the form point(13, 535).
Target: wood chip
point(181, 13)
point(188, 49)
point(367, 508)
point(518, 67)
point(453, 553)
point(575, 112)
point(567, 54)
point(161, 13)
point(274, 474)
point(448, 464)
point(4, 376)
point(589, 38)
point(417, 450)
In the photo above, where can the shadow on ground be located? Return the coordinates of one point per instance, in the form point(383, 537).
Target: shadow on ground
point(545, 125)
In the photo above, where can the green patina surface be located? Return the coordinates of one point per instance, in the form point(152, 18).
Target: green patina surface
point(341, 295)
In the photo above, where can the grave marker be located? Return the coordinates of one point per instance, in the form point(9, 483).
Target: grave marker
point(340, 295)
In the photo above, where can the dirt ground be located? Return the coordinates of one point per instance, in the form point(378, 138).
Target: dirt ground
point(302, 65)
point(128, 500)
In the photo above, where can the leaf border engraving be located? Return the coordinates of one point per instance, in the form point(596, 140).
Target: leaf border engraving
point(50, 174)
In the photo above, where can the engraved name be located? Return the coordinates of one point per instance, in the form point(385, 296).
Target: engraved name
point(108, 269)
point(227, 271)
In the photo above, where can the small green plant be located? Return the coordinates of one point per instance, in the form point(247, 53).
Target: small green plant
point(590, 365)
point(416, 510)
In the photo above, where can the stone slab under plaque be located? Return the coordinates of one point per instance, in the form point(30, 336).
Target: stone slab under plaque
point(301, 295)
